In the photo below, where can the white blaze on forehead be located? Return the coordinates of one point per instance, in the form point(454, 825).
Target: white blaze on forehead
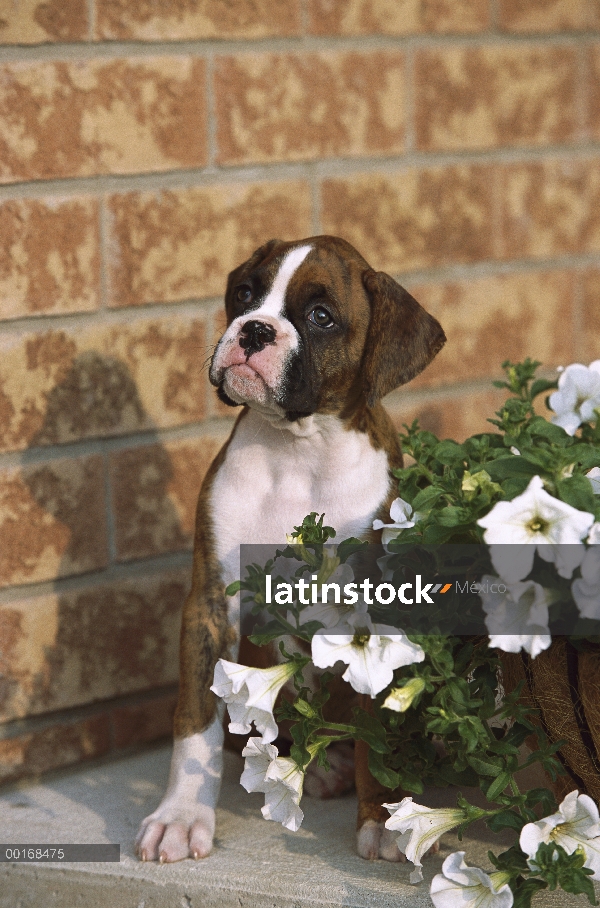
point(274, 301)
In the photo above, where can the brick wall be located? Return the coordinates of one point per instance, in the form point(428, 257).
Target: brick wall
point(145, 149)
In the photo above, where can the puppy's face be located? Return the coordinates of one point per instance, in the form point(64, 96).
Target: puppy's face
point(302, 325)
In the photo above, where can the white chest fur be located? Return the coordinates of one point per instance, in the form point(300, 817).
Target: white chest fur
point(275, 474)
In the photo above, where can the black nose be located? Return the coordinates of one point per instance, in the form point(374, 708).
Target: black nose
point(255, 337)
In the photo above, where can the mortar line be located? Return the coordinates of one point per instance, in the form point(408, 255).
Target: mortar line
point(206, 308)
point(70, 714)
point(139, 569)
point(84, 50)
point(218, 426)
point(281, 171)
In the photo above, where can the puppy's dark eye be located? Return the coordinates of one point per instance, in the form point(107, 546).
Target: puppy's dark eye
point(320, 317)
point(243, 294)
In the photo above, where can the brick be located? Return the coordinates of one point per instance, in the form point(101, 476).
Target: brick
point(145, 722)
point(290, 107)
point(188, 20)
point(35, 22)
point(543, 15)
point(484, 97)
point(52, 521)
point(155, 491)
point(181, 244)
point(413, 219)
point(53, 747)
point(550, 208)
point(49, 258)
point(456, 417)
point(591, 315)
point(491, 319)
point(61, 386)
point(396, 17)
point(91, 644)
point(66, 119)
point(594, 89)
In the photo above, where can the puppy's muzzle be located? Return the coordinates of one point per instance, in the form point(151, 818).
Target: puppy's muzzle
point(255, 336)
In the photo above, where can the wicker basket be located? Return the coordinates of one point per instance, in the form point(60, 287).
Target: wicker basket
point(563, 683)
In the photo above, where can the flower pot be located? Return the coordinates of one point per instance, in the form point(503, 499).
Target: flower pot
point(563, 683)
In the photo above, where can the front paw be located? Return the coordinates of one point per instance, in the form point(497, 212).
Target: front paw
point(375, 841)
point(166, 840)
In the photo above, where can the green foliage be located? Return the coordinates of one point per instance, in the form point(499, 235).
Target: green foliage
point(450, 486)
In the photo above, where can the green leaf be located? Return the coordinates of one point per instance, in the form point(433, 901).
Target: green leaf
point(484, 767)
point(370, 729)
point(511, 468)
point(427, 497)
point(541, 385)
point(498, 786)
point(508, 819)
point(449, 452)
point(233, 588)
point(304, 708)
point(525, 890)
point(385, 776)
point(577, 491)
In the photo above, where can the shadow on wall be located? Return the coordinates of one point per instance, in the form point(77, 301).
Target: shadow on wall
point(114, 634)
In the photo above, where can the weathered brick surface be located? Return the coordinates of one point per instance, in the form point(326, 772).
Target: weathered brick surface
point(482, 97)
point(92, 644)
point(182, 244)
point(53, 747)
point(492, 319)
point(52, 521)
point(290, 107)
point(60, 386)
point(145, 722)
point(544, 15)
point(396, 17)
point(591, 315)
point(594, 89)
point(155, 490)
point(101, 116)
point(49, 256)
point(413, 219)
point(456, 417)
point(37, 22)
point(188, 20)
point(550, 208)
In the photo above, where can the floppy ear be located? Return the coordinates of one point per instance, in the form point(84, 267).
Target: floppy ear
point(255, 259)
point(402, 338)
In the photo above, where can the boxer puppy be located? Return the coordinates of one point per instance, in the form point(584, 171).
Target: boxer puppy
point(314, 339)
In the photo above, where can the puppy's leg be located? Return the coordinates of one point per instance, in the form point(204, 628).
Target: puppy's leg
point(184, 823)
point(373, 840)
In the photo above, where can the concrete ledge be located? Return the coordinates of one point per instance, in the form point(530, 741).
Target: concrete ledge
point(255, 864)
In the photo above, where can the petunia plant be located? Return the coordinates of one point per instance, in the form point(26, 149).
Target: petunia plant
point(493, 546)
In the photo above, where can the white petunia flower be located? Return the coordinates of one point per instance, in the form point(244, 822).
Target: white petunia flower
point(278, 778)
point(401, 513)
point(250, 695)
point(518, 618)
point(371, 651)
point(594, 535)
point(535, 520)
point(420, 828)
point(577, 397)
point(328, 613)
point(403, 697)
point(586, 590)
point(594, 478)
point(575, 824)
point(461, 886)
